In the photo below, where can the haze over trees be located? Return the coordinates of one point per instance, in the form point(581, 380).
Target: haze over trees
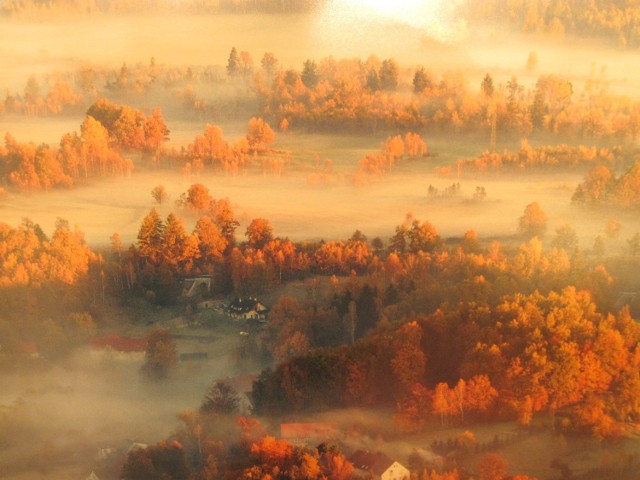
point(433, 329)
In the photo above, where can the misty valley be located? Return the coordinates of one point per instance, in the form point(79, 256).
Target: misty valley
point(319, 239)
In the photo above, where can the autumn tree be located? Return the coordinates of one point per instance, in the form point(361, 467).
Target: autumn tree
point(533, 222)
point(310, 75)
point(269, 63)
point(210, 240)
point(159, 194)
point(421, 80)
point(155, 131)
point(197, 198)
point(220, 399)
point(233, 63)
point(259, 134)
point(163, 460)
point(388, 74)
point(259, 233)
point(492, 467)
point(160, 356)
point(487, 86)
point(150, 235)
point(179, 250)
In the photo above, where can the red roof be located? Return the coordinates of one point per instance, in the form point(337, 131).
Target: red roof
point(28, 347)
point(316, 431)
point(120, 343)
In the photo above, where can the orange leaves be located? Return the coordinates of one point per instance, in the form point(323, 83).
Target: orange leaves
point(374, 166)
point(259, 134)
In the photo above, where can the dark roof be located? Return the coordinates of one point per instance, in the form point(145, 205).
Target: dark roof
point(244, 305)
point(374, 462)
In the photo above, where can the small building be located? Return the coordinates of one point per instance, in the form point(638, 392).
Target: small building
point(197, 286)
point(29, 349)
point(247, 309)
point(117, 346)
point(119, 343)
point(136, 446)
point(194, 357)
point(309, 434)
point(378, 466)
point(206, 304)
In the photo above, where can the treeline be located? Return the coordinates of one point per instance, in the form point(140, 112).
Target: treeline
point(377, 95)
point(54, 8)
point(210, 445)
point(554, 156)
point(351, 95)
point(527, 354)
point(613, 20)
point(107, 131)
point(374, 166)
point(211, 150)
point(112, 134)
point(264, 260)
point(200, 450)
point(48, 285)
point(601, 187)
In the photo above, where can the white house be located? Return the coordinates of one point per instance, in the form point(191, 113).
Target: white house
point(247, 308)
point(378, 466)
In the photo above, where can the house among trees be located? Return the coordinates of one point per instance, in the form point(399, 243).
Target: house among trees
point(308, 434)
point(378, 466)
point(29, 349)
point(125, 347)
point(247, 309)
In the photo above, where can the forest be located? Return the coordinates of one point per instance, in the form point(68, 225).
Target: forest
point(446, 254)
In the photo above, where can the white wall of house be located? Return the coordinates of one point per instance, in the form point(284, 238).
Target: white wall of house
point(395, 472)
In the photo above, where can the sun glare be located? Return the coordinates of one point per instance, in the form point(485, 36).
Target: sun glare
point(435, 17)
point(395, 8)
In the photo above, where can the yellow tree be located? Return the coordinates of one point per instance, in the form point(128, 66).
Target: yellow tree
point(259, 134)
point(533, 222)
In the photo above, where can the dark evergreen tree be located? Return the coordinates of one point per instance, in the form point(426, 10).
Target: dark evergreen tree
point(310, 75)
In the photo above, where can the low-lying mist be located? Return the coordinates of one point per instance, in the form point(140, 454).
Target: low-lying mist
point(54, 421)
point(304, 212)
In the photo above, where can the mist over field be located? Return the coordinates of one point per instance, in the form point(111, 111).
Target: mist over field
point(58, 410)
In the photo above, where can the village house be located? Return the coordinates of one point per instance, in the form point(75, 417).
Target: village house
point(29, 349)
point(119, 346)
point(247, 309)
point(308, 434)
point(378, 466)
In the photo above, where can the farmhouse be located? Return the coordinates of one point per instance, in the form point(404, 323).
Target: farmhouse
point(123, 347)
point(29, 349)
point(378, 466)
point(247, 309)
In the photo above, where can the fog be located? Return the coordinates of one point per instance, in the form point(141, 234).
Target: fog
point(332, 212)
point(53, 422)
